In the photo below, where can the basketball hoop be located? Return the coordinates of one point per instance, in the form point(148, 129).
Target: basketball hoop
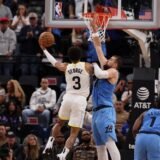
point(102, 20)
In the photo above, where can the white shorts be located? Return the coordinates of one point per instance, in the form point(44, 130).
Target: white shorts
point(73, 109)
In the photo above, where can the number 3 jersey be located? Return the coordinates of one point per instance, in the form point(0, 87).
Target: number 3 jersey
point(151, 121)
point(77, 79)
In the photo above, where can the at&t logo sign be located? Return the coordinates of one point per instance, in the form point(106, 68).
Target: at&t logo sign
point(142, 95)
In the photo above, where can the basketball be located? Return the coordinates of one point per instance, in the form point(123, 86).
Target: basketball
point(46, 39)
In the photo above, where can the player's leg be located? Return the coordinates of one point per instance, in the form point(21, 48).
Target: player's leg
point(78, 105)
point(64, 113)
point(56, 130)
point(102, 152)
point(69, 143)
point(140, 147)
point(112, 149)
point(153, 149)
point(103, 129)
point(100, 145)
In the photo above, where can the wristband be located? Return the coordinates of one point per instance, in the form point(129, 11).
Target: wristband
point(50, 58)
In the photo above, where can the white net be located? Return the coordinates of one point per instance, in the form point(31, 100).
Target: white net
point(101, 21)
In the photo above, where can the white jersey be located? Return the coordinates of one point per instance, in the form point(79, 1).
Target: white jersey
point(78, 79)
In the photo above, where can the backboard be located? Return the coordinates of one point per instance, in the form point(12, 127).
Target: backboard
point(138, 14)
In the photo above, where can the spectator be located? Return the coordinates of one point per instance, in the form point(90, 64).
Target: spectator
point(30, 150)
point(120, 86)
point(11, 117)
point(20, 19)
point(121, 120)
point(12, 142)
point(7, 46)
point(41, 101)
point(15, 93)
point(6, 154)
point(127, 95)
point(2, 98)
point(13, 5)
point(86, 150)
point(5, 11)
point(3, 138)
point(29, 48)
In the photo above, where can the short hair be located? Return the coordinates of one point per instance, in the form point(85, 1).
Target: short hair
point(118, 61)
point(74, 54)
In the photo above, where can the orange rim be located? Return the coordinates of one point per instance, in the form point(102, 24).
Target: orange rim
point(102, 17)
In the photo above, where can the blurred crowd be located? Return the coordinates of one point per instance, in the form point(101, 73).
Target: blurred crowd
point(25, 124)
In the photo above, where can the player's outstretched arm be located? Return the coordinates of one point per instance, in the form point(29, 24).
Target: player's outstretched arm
point(60, 66)
point(97, 43)
point(50, 58)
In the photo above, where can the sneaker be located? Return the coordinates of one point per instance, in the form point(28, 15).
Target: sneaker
point(48, 149)
point(49, 145)
point(61, 156)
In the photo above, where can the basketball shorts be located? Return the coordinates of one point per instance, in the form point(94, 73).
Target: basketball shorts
point(103, 124)
point(147, 146)
point(73, 109)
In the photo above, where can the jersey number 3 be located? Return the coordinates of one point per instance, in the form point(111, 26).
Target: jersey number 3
point(77, 85)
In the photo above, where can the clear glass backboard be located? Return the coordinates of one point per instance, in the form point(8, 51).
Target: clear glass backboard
point(131, 14)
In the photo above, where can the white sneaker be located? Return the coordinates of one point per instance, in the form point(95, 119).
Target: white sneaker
point(49, 145)
point(61, 156)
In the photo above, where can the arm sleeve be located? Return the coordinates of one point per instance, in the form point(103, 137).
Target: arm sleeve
point(50, 58)
point(99, 73)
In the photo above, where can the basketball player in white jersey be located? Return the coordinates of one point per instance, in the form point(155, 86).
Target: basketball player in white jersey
point(74, 102)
